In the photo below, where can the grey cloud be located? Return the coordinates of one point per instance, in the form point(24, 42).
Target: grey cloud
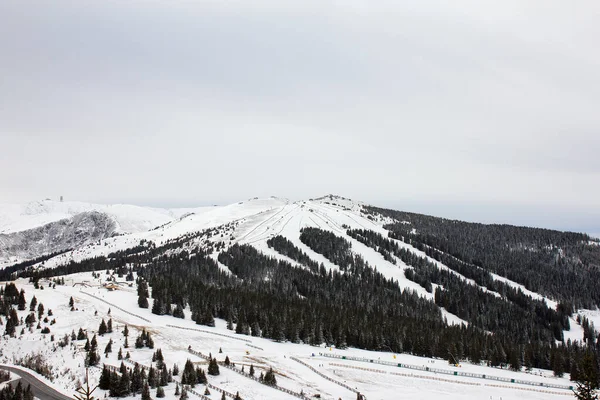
point(213, 101)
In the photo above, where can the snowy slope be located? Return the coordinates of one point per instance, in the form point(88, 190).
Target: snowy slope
point(56, 236)
point(31, 230)
point(252, 222)
point(129, 218)
point(93, 302)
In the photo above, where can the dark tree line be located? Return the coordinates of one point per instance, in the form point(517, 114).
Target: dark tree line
point(536, 321)
point(287, 248)
point(16, 393)
point(561, 265)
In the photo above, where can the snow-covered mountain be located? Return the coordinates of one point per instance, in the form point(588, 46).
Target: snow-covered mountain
point(43, 227)
point(64, 234)
point(129, 218)
point(22, 227)
point(81, 231)
point(98, 230)
point(252, 221)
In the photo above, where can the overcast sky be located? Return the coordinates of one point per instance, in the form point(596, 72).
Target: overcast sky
point(466, 109)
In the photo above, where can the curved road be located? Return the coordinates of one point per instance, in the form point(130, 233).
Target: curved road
point(40, 389)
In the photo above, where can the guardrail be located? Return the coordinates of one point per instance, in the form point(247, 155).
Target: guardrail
point(247, 375)
point(255, 347)
point(327, 377)
point(210, 332)
point(448, 372)
point(117, 307)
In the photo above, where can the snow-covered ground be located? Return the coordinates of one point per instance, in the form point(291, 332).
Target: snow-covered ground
point(93, 302)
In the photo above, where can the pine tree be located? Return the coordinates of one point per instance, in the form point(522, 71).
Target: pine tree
point(81, 334)
point(28, 395)
point(146, 392)
point(109, 327)
point(515, 359)
point(143, 302)
point(251, 372)
point(160, 392)
point(33, 304)
point(125, 384)
point(120, 355)
point(178, 312)
point(108, 348)
point(184, 395)
point(164, 376)
point(201, 376)
point(149, 342)
point(269, 378)
point(175, 370)
point(206, 392)
point(587, 384)
point(139, 342)
point(213, 367)
point(102, 328)
point(94, 343)
point(22, 302)
point(223, 396)
point(188, 377)
point(227, 362)
point(152, 377)
point(114, 385)
point(136, 379)
point(12, 322)
point(104, 382)
point(159, 359)
point(71, 302)
point(557, 362)
point(237, 396)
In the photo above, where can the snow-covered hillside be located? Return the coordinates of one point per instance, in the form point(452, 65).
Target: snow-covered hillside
point(253, 222)
point(93, 231)
point(129, 218)
point(312, 370)
point(31, 230)
point(83, 228)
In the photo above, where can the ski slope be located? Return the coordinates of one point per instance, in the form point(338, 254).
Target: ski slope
point(254, 222)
